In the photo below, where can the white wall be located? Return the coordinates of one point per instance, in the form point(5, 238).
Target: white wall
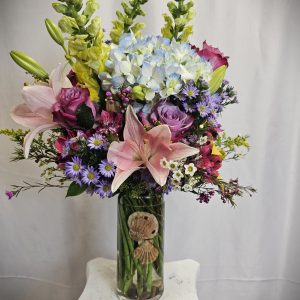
point(247, 253)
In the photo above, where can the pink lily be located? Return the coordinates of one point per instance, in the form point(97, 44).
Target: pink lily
point(144, 149)
point(36, 112)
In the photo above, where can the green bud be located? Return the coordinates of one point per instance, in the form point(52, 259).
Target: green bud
point(126, 8)
point(187, 31)
point(60, 8)
point(91, 7)
point(94, 28)
point(29, 65)
point(137, 93)
point(119, 15)
point(54, 32)
point(172, 8)
point(137, 27)
point(180, 22)
point(81, 20)
point(67, 24)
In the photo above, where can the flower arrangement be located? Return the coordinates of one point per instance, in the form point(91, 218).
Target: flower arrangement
point(130, 114)
point(133, 115)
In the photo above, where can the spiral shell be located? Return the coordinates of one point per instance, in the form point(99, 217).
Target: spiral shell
point(142, 226)
point(146, 253)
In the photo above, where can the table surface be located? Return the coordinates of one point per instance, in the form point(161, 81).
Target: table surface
point(179, 280)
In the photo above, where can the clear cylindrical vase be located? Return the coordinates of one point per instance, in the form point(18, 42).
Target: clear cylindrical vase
point(140, 247)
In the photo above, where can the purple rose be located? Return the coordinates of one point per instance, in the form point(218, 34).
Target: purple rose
point(68, 101)
point(178, 121)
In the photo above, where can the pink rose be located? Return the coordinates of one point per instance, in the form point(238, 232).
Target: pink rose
point(68, 102)
point(178, 121)
point(213, 55)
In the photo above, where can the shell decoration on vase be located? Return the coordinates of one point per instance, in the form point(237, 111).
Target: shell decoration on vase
point(143, 227)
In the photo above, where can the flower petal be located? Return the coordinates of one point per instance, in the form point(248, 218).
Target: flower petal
point(59, 80)
point(180, 151)
point(134, 130)
point(159, 174)
point(22, 115)
point(157, 136)
point(120, 177)
point(31, 135)
point(124, 155)
point(39, 99)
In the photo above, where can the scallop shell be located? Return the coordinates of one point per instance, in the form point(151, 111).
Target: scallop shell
point(142, 226)
point(146, 253)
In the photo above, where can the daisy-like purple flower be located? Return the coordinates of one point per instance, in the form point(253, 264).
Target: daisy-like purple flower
point(188, 107)
point(203, 109)
point(107, 168)
point(89, 176)
point(73, 168)
point(190, 91)
point(9, 194)
point(97, 141)
point(104, 189)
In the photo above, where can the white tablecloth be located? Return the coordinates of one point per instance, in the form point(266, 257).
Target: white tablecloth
point(180, 280)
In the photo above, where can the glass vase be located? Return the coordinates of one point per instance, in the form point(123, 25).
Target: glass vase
point(140, 259)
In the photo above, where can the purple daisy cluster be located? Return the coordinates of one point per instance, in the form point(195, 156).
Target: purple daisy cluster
point(197, 100)
point(97, 180)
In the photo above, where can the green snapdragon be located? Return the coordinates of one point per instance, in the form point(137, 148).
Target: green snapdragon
point(125, 21)
point(177, 23)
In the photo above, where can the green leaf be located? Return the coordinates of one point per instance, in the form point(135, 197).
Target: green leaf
point(217, 79)
point(75, 189)
point(85, 117)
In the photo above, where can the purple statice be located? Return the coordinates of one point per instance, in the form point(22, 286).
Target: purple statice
point(74, 168)
point(203, 109)
point(97, 141)
point(107, 168)
point(90, 176)
point(104, 189)
point(9, 194)
point(190, 91)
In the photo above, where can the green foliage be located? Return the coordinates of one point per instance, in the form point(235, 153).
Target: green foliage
point(177, 23)
point(125, 21)
point(217, 79)
point(75, 189)
point(85, 117)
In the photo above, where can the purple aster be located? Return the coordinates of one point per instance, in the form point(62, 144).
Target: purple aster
point(9, 194)
point(90, 175)
point(107, 168)
point(203, 109)
point(188, 107)
point(97, 141)
point(104, 189)
point(73, 168)
point(190, 91)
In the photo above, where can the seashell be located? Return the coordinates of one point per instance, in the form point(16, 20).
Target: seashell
point(142, 226)
point(146, 253)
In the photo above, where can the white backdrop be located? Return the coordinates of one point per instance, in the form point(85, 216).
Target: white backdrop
point(247, 253)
